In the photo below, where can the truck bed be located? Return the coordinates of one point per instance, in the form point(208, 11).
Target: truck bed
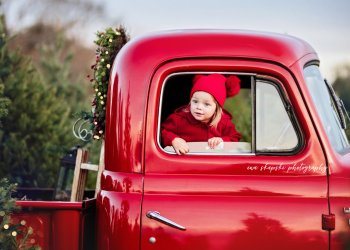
point(58, 225)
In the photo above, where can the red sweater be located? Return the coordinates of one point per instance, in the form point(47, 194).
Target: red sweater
point(182, 124)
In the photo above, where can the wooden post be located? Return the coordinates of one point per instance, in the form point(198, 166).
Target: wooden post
point(79, 179)
point(80, 173)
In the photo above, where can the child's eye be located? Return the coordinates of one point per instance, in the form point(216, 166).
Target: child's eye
point(194, 101)
point(207, 104)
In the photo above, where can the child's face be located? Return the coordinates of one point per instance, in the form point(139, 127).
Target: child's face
point(202, 106)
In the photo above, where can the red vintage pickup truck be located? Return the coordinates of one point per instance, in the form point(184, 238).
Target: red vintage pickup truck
point(285, 185)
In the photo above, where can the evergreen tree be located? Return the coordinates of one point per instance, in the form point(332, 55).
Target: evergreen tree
point(4, 101)
point(37, 130)
point(55, 68)
point(14, 234)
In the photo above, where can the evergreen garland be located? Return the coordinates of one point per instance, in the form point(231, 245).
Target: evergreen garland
point(109, 44)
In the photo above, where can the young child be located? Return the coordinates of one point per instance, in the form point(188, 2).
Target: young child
point(204, 118)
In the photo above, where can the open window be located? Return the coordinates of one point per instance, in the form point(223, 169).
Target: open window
point(260, 112)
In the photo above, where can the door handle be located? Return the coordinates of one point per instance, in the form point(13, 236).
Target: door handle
point(156, 216)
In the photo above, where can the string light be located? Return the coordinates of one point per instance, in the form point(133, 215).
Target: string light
point(109, 43)
point(14, 232)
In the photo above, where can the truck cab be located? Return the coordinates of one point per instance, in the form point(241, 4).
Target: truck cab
point(285, 185)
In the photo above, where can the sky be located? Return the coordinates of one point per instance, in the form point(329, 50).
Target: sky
point(325, 24)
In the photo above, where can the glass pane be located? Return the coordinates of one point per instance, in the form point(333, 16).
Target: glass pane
point(325, 108)
point(274, 129)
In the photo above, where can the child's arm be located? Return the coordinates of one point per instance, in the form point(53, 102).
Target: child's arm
point(169, 130)
point(170, 136)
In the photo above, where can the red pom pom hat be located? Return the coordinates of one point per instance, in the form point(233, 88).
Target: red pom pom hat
point(217, 85)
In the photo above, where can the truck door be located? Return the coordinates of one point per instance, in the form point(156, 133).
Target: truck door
point(268, 191)
point(331, 118)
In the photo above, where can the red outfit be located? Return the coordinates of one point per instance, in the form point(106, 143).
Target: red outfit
point(182, 124)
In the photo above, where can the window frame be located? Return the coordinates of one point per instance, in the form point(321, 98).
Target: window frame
point(254, 78)
point(290, 112)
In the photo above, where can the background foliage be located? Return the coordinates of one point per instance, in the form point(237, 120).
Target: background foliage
point(240, 107)
point(36, 131)
point(43, 87)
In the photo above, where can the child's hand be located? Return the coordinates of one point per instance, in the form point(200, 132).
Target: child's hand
point(180, 146)
point(213, 142)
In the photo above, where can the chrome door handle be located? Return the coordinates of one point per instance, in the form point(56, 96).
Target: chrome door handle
point(156, 216)
point(346, 210)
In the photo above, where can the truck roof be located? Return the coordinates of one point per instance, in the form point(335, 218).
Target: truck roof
point(281, 48)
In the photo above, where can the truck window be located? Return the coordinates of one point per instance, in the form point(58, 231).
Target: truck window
point(325, 108)
point(274, 129)
point(264, 123)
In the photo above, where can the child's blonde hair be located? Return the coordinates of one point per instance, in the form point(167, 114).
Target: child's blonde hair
point(216, 116)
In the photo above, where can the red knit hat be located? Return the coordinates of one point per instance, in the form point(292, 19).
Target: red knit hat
point(217, 85)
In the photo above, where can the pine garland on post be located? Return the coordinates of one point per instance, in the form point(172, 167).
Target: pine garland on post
point(109, 44)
